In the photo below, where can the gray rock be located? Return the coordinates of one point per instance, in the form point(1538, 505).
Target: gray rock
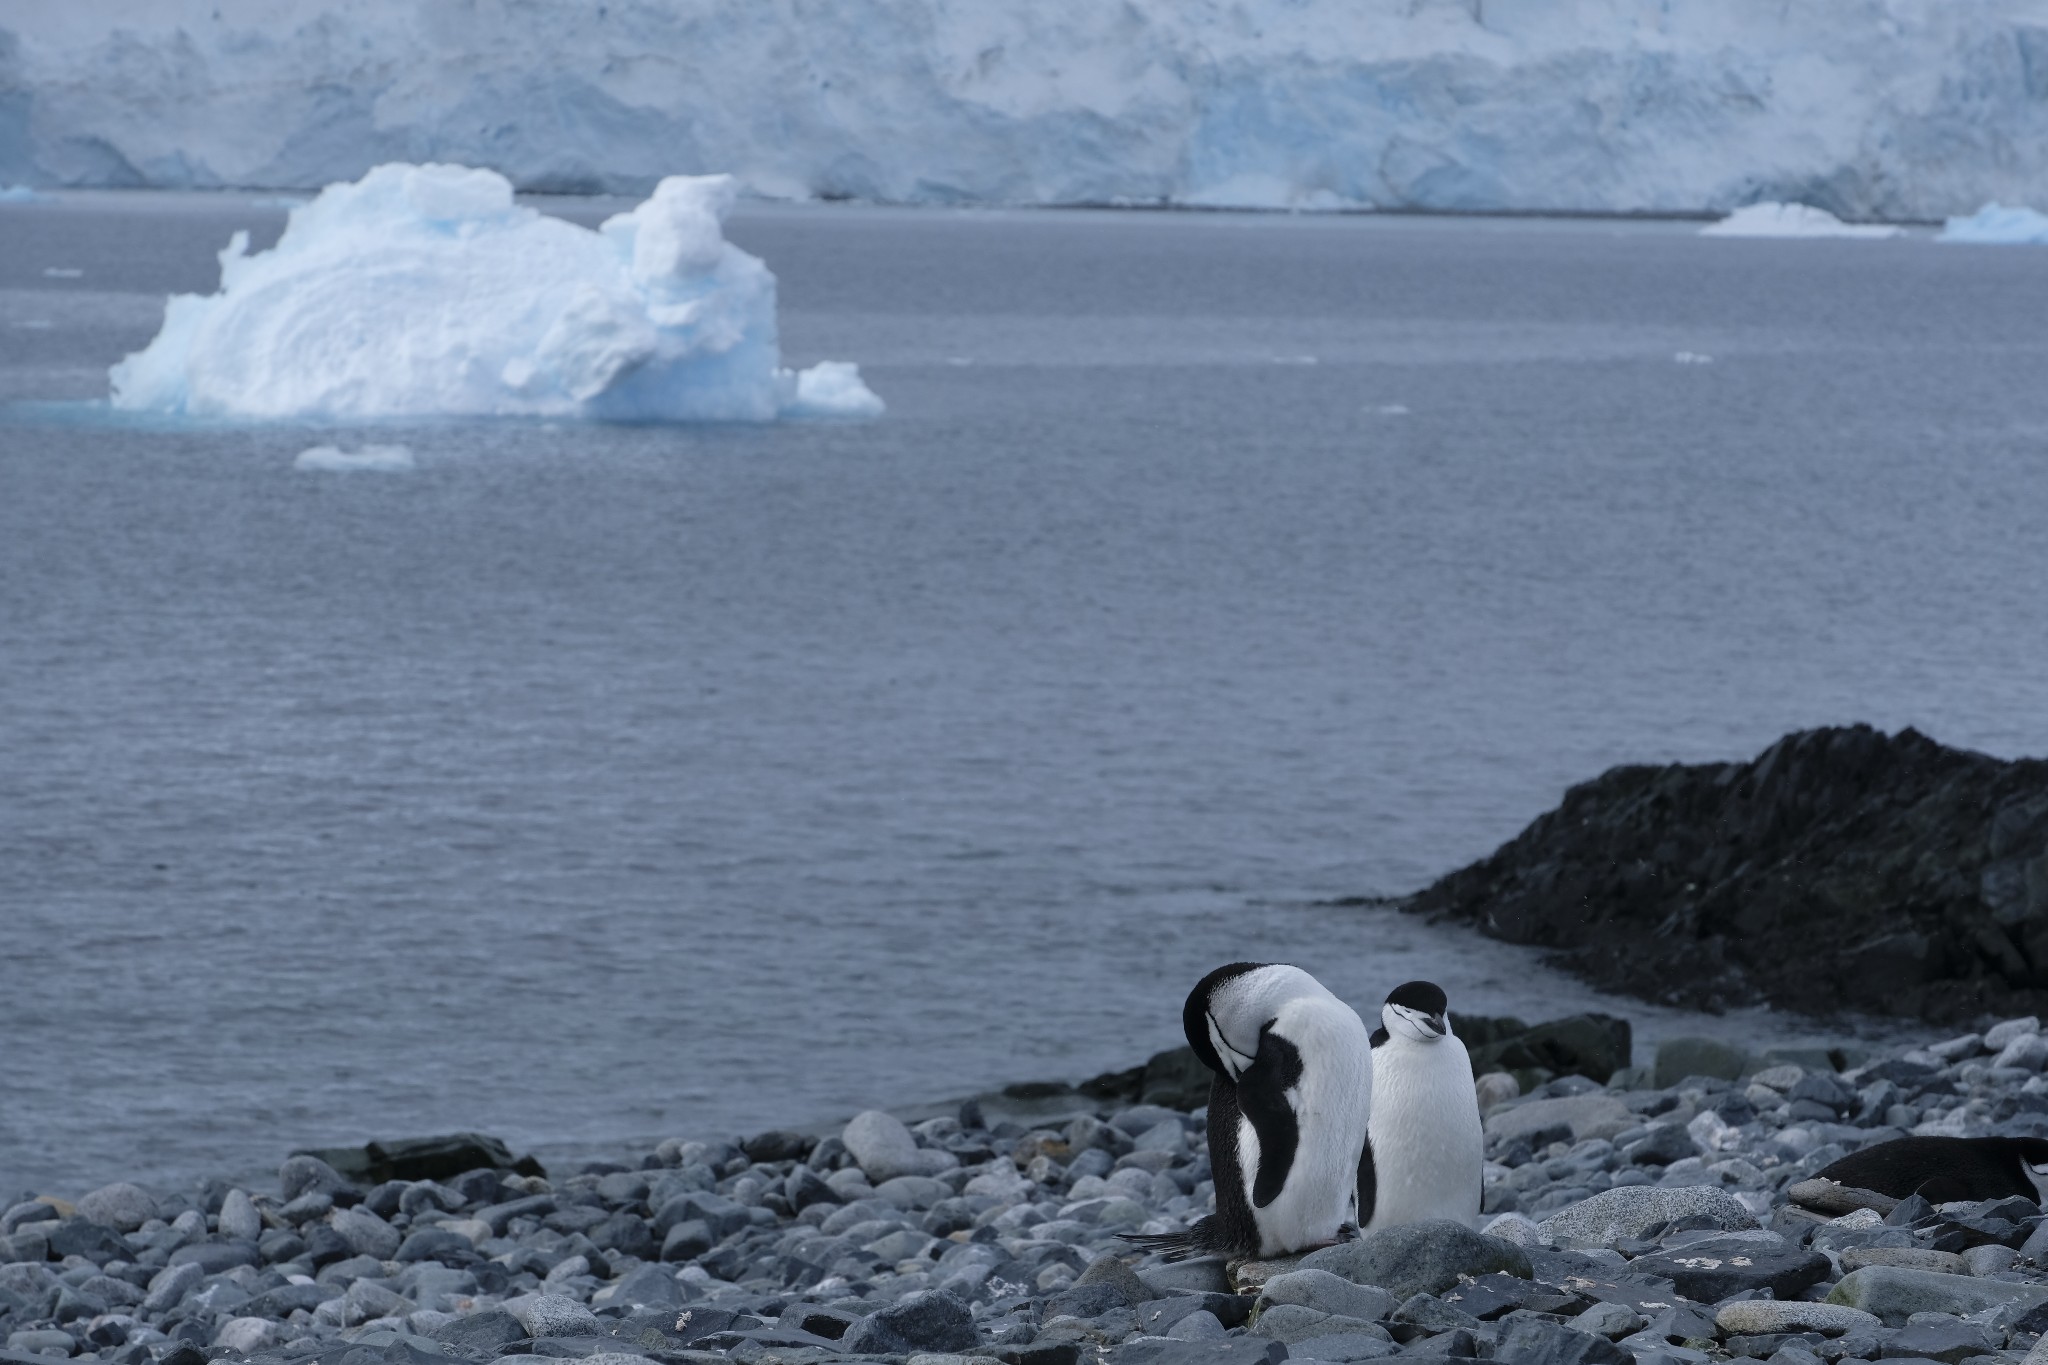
point(2028, 1052)
point(1420, 1258)
point(1945, 1339)
point(82, 1237)
point(432, 1243)
point(1201, 1275)
point(499, 1216)
point(930, 1320)
point(239, 1220)
point(553, 1315)
point(1989, 1260)
point(485, 1332)
point(1200, 1325)
point(1532, 1341)
point(245, 1336)
point(1294, 1325)
point(806, 1187)
point(367, 1299)
point(214, 1257)
point(169, 1286)
point(884, 1148)
point(1327, 1293)
point(1761, 1317)
point(1166, 1351)
point(1714, 1268)
point(687, 1240)
point(722, 1216)
point(647, 1286)
point(1895, 1293)
point(1829, 1197)
point(913, 1191)
point(305, 1174)
point(42, 1341)
point(287, 1299)
point(1084, 1301)
point(1913, 1258)
point(1596, 1114)
point(1631, 1210)
point(1109, 1269)
point(120, 1206)
point(365, 1233)
point(1998, 1035)
point(1349, 1346)
point(1678, 1058)
point(1608, 1320)
point(1667, 1142)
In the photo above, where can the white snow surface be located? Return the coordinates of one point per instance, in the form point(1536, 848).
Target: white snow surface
point(426, 291)
point(1792, 220)
point(370, 459)
point(1997, 225)
point(1870, 109)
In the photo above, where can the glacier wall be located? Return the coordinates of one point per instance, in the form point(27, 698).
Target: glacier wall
point(1866, 108)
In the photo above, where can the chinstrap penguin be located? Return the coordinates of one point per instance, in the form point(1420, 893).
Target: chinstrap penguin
point(1425, 1154)
point(1945, 1169)
point(1288, 1107)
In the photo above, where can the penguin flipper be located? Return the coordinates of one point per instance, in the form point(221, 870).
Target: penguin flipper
point(1369, 1184)
point(1262, 1098)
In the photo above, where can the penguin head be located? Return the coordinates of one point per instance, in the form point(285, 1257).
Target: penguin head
point(1231, 1007)
point(1417, 1011)
point(2034, 1161)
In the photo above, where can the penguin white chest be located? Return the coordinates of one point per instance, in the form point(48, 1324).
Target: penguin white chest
point(1428, 1149)
point(1330, 1102)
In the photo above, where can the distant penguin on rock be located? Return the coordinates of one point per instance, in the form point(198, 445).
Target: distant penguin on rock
point(1944, 1170)
point(1425, 1155)
point(1288, 1108)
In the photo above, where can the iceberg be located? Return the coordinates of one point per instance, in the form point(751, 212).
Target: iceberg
point(370, 459)
point(1772, 219)
point(1997, 225)
point(425, 291)
point(1876, 110)
point(21, 194)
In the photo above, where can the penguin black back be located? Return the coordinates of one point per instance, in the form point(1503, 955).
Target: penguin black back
point(1947, 1169)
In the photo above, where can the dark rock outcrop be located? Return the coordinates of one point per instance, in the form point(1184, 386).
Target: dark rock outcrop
point(1842, 868)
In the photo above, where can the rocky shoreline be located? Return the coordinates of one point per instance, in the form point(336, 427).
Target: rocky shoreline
point(1840, 869)
point(1644, 1220)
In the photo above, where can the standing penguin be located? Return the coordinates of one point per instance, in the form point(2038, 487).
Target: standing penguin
point(1426, 1153)
point(1288, 1108)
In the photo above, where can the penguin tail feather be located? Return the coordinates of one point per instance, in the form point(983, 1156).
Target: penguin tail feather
point(1171, 1246)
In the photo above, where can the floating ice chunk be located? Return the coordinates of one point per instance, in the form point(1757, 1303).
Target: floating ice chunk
point(1997, 225)
point(424, 290)
point(373, 459)
point(1771, 219)
point(831, 388)
point(21, 194)
point(1692, 358)
point(62, 272)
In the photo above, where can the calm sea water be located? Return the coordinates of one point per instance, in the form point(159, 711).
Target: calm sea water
point(588, 784)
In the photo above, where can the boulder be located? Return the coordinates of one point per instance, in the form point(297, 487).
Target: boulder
point(884, 1148)
point(1841, 868)
point(1418, 1258)
point(1596, 1114)
point(1894, 1293)
point(1629, 1211)
point(1715, 1268)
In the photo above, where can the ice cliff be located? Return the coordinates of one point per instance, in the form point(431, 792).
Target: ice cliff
point(425, 291)
point(1864, 108)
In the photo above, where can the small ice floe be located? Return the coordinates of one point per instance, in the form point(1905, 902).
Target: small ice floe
point(1295, 360)
point(1772, 219)
point(1692, 358)
point(424, 291)
point(370, 459)
point(21, 194)
point(1997, 225)
point(62, 272)
point(1392, 409)
point(960, 360)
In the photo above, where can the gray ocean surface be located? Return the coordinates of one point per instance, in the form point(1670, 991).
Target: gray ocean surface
point(592, 784)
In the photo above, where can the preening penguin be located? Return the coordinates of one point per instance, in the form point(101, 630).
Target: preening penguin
point(1288, 1107)
point(1426, 1152)
point(1943, 1169)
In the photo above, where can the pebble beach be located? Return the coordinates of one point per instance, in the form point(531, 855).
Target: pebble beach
point(1644, 1220)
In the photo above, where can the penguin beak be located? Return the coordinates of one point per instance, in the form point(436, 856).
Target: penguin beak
point(1437, 1024)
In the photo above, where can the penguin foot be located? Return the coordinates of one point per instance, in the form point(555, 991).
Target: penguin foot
point(1348, 1232)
